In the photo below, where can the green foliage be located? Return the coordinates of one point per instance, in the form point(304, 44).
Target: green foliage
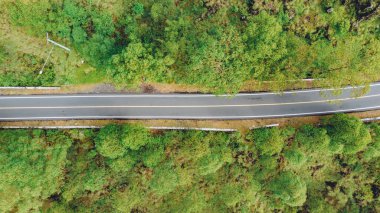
point(266, 42)
point(95, 180)
point(110, 170)
point(211, 163)
point(295, 158)
point(219, 46)
point(123, 164)
point(266, 168)
point(3, 54)
point(134, 137)
point(164, 180)
point(32, 166)
point(132, 64)
point(138, 9)
point(32, 15)
point(373, 149)
point(218, 51)
point(219, 155)
point(127, 199)
point(31, 66)
point(238, 192)
point(109, 141)
point(267, 140)
point(157, 12)
point(312, 138)
point(30, 79)
point(113, 140)
point(365, 194)
point(348, 134)
point(191, 200)
point(319, 205)
point(289, 188)
point(153, 154)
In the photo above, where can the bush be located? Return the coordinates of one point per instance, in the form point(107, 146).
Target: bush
point(153, 154)
point(267, 140)
point(32, 168)
point(295, 158)
point(313, 138)
point(109, 141)
point(134, 137)
point(138, 9)
point(3, 54)
point(289, 188)
point(164, 180)
point(348, 134)
point(124, 164)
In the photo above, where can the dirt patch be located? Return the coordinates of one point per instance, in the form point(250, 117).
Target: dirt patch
point(69, 89)
point(150, 88)
point(249, 86)
point(104, 88)
point(241, 125)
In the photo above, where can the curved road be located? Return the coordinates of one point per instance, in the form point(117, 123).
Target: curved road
point(185, 106)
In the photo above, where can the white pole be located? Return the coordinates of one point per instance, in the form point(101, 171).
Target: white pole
point(54, 43)
point(47, 59)
point(59, 45)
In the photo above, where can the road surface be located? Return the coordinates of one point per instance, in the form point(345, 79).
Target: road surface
point(185, 106)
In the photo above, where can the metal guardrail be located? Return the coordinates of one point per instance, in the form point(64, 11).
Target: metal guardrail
point(50, 127)
point(191, 128)
point(370, 119)
point(265, 126)
point(98, 127)
point(30, 88)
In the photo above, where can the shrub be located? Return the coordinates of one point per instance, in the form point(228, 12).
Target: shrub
point(108, 142)
point(267, 140)
point(348, 134)
point(289, 188)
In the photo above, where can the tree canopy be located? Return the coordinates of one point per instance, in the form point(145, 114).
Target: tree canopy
point(107, 170)
point(215, 45)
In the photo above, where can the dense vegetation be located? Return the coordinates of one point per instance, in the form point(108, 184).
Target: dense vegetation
point(213, 44)
point(333, 167)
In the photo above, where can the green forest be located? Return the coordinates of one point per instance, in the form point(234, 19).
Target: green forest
point(330, 167)
point(213, 44)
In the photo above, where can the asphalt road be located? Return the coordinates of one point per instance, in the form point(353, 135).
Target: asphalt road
point(185, 106)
